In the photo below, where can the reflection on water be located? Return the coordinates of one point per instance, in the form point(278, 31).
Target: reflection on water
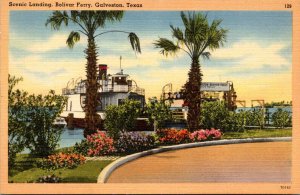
point(70, 137)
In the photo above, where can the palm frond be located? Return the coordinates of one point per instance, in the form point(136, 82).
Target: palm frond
point(185, 20)
point(114, 15)
point(135, 42)
point(75, 15)
point(167, 47)
point(73, 38)
point(101, 17)
point(196, 26)
point(57, 19)
point(215, 24)
point(216, 35)
point(205, 55)
point(177, 33)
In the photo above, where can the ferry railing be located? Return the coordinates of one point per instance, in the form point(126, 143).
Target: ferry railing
point(105, 88)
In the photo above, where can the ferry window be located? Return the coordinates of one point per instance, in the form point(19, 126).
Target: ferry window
point(70, 105)
point(67, 105)
point(121, 80)
point(120, 102)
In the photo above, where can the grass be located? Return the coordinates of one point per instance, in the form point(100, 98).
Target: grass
point(26, 170)
point(258, 133)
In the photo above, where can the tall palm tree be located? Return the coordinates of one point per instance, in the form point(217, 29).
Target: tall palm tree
point(197, 37)
point(89, 22)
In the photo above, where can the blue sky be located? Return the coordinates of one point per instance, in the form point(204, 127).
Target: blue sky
point(256, 57)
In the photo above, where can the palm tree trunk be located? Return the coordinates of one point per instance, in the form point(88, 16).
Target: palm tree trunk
point(92, 100)
point(193, 95)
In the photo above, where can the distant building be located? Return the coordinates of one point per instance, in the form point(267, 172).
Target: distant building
point(210, 91)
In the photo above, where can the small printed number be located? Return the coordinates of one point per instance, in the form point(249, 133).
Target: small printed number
point(288, 5)
point(285, 187)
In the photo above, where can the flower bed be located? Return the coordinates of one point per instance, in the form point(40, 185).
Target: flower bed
point(130, 142)
point(205, 135)
point(100, 143)
point(97, 144)
point(62, 160)
point(172, 136)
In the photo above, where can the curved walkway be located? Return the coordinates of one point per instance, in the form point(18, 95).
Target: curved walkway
point(248, 162)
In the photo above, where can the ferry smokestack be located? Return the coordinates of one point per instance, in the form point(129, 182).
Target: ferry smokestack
point(102, 71)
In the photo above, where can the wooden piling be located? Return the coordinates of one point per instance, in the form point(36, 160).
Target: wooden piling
point(70, 123)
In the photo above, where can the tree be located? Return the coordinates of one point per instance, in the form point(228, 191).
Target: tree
point(159, 112)
point(89, 22)
point(281, 118)
point(255, 117)
point(122, 117)
point(30, 121)
point(42, 136)
point(216, 115)
point(197, 37)
point(16, 119)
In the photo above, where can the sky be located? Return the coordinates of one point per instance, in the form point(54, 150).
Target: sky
point(257, 55)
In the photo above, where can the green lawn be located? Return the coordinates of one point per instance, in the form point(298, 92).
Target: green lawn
point(255, 133)
point(27, 171)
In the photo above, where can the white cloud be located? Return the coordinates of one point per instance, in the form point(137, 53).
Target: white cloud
point(37, 63)
point(40, 74)
point(252, 55)
point(39, 45)
point(148, 58)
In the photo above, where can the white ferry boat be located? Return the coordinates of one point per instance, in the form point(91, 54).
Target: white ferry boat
point(113, 90)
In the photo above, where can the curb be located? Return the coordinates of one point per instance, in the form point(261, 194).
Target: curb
point(105, 173)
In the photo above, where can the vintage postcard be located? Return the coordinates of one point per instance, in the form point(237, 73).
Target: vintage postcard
point(150, 97)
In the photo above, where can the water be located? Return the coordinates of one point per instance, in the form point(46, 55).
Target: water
point(268, 112)
point(68, 138)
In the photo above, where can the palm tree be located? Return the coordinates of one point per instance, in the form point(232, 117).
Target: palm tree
point(197, 37)
point(89, 22)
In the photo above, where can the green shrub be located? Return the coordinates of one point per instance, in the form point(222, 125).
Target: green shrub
point(234, 121)
point(281, 118)
point(82, 147)
point(255, 117)
point(30, 121)
point(42, 136)
point(213, 115)
point(122, 117)
point(216, 115)
point(158, 113)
